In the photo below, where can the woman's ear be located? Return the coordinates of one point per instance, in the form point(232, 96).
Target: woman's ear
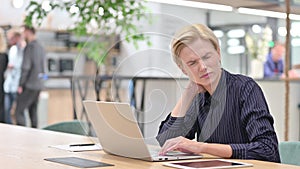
point(219, 53)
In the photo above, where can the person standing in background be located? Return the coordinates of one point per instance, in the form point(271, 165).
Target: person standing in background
point(273, 67)
point(31, 82)
point(3, 65)
point(13, 72)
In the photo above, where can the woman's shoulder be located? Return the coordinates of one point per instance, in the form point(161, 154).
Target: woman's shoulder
point(239, 81)
point(238, 78)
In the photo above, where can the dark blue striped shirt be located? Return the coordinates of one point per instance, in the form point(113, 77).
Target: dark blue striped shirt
point(236, 114)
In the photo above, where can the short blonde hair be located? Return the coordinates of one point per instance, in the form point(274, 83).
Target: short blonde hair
point(188, 35)
point(3, 44)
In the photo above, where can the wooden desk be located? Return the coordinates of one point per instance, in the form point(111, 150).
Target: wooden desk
point(25, 148)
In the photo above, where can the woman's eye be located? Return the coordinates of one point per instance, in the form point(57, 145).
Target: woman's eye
point(192, 63)
point(205, 57)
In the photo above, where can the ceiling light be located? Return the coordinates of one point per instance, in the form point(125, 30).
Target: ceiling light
point(236, 33)
point(294, 17)
point(295, 29)
point(266, 13)
point(196, 4)
point(256, 28)
point(233, 42)
point(218, 33)
point(17, 3)
point(282, 31)
point(294, 32)
point(259, 12)
point(295, 42)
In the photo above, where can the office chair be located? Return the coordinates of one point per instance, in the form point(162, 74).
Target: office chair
point(290, 152)
point(73, 127)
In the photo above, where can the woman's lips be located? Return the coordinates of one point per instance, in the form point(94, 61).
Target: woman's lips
point(205, 75)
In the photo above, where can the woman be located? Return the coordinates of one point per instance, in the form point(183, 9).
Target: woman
point(227, 112)
point(3, 65)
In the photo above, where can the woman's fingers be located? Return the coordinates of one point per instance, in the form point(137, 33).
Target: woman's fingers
point(171, 144)
point(181, 144)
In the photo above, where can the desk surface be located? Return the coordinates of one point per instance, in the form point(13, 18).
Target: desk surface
point(23, 147)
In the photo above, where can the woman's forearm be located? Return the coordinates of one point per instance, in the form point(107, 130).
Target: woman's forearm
point(220, 150)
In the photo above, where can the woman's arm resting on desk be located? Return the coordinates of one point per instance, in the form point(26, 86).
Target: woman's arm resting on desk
point(189, 146)
point(258, 122)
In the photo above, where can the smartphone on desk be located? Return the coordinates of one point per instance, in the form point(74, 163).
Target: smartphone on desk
point(78, 162)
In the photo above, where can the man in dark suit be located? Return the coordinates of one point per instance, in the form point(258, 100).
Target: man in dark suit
point(31, 82)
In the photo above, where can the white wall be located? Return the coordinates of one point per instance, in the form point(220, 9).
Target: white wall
point(10, 15)
point(275, 95)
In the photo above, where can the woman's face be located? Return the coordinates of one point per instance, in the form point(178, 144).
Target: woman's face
point(201, 62)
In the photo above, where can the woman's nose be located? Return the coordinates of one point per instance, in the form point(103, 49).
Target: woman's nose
point(202, 66)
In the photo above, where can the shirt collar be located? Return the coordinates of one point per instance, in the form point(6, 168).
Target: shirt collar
point(220, 93)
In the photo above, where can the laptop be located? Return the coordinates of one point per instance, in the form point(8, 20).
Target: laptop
point(118, 132)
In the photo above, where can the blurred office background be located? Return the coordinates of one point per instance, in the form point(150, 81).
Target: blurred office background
point(232, 23)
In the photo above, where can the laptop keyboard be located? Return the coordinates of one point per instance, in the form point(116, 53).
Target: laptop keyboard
point(172, 155)
point(154, 153)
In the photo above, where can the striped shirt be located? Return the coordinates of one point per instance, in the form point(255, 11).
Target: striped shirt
point(236, 114)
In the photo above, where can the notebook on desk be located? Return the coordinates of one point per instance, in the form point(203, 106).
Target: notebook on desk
point(118, 132)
